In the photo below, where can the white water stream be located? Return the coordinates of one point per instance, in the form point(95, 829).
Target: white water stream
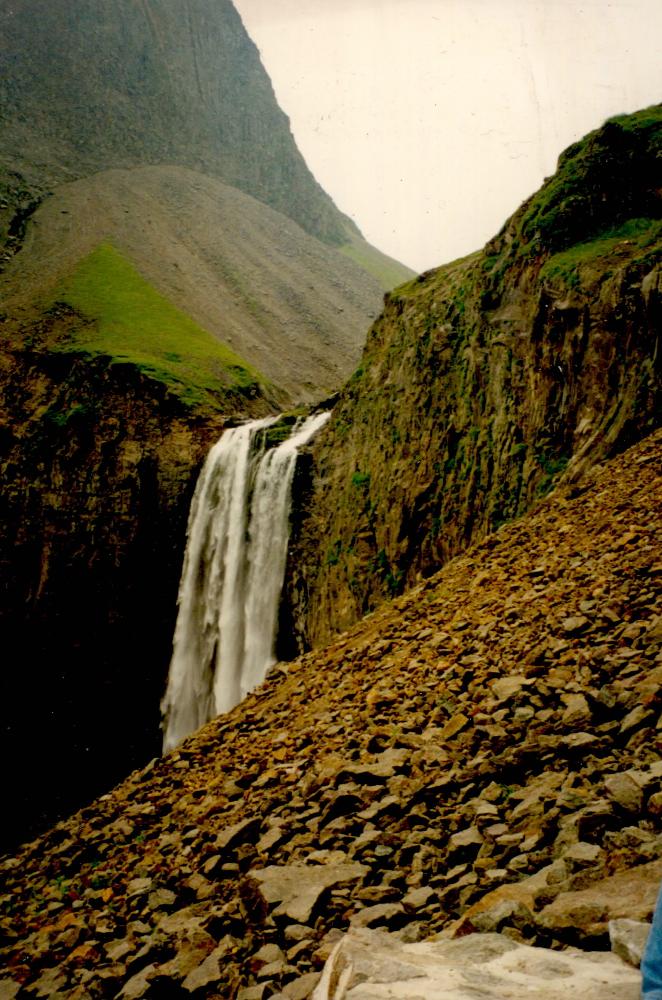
point(234, 565)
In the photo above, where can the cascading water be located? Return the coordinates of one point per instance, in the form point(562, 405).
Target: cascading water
point(233, 573)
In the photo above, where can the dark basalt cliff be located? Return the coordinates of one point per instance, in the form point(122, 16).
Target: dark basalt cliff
point(485, 380)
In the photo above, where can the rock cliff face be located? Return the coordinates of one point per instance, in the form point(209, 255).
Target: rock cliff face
point(98, 468)
point(485, 380)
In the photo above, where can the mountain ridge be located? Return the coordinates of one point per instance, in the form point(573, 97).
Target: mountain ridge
point(156, 82)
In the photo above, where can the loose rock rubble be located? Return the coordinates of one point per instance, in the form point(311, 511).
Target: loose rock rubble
point(481, 755)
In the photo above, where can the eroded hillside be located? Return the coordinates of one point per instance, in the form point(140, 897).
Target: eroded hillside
point(87, 87)
point(482, 753)
point(485, 380)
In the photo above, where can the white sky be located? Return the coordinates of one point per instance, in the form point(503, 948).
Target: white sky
point(430, 121)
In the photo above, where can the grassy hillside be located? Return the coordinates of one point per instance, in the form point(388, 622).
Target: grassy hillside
point(388, 272)
point(608, 177)
point(131, 322)
point(294, 309)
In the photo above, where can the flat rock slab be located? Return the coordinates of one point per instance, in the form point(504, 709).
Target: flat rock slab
point(374, 965)
point(296, 888)
point(630, 894)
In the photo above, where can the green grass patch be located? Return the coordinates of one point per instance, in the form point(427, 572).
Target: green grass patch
point(133, 323)
point(609, 176)
point(637, 234)
point(361, 480)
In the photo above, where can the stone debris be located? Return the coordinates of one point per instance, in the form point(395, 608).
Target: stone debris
point(461, 761)
point(296, 889)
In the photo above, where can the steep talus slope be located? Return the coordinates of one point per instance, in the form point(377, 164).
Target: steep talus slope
point(86, 86)
point(484, 380)
point(293, 307)
point(481, 753)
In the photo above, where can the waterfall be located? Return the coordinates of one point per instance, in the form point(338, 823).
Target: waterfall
point(233, 572)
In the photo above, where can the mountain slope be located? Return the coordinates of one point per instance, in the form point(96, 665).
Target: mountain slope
point(294, 308)
point(486, 379)
point(483, 749)
point(88, 86)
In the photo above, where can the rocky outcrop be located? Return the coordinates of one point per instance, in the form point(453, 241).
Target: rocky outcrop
point(485, 380)
point(481, 754)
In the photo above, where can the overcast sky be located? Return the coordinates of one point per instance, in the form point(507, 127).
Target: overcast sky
point(429, 121)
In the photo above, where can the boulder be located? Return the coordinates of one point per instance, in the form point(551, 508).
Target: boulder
point(240, 833)
point(624, 789)
point(490, 909)
point(367, 965)
point(297, 888)
point(630, 894)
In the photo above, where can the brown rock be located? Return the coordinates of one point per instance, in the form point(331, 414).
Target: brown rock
point(628, 939)
point(301, 988)
point(383, 914)
point(575, 624)
point(631, 894)
point(576, 711)
point(138, 986)
point(297, 888)
point(454, 726)
point(625, 790)
point(240, 833)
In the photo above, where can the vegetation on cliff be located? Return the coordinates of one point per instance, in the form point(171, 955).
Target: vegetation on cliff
point(607, 178)
point(486, 379)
